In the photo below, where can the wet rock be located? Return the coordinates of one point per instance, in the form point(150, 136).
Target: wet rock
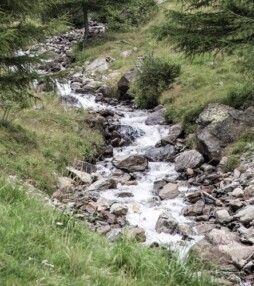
point(124, 195)
point(157, 185)
point(135, 233)
point(223, 216)
point(219, 125)
point(105, 90)
point(166, 223)
point(80, 176)
point(84, 167)
point(161, 154)
point(174, 132)
point(108, 151)
point(69, 100)
point(194, 210)
point(119, 209)
point(188, 159)
point(245, 215)
point(103, 184)
point(193, 197)
point(157, 118)
point(169, 191)
point(133, 163)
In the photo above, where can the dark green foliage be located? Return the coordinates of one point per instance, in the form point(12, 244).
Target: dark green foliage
point(131, 15)
point(154, 76)
point(210, 25)
point(19, 28)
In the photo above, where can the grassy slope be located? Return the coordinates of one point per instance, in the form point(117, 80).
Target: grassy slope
point(41, 142)
point(36, 250)
point(203, 80)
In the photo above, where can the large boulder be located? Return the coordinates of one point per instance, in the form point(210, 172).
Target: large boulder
point(188, 159)
point(133, 163)
point(166, 223)
point(157, 118)
point(123, 85)
point(169, 191)
point(219, 125)
point(161, 154)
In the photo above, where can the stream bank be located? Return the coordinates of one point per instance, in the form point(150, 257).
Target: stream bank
point(150, 182)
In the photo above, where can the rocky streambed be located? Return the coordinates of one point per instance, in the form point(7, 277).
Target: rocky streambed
point(147, 184)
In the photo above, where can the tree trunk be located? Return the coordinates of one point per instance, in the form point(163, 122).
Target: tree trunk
point(86, 22)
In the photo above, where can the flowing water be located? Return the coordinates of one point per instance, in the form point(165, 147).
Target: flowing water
point(144, 207)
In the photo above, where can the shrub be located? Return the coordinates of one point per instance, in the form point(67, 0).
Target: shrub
point(154, 76)
point(241, 97)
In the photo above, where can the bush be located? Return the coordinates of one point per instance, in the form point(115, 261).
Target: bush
point(154, 76)
point(242, 97)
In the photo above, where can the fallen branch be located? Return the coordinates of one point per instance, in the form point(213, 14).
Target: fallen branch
point(216, 201)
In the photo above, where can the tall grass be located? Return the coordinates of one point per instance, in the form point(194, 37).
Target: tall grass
point(40, 246)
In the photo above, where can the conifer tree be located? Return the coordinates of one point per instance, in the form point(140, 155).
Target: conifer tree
point(19, 28)
point(86, 6)
point(210, 26)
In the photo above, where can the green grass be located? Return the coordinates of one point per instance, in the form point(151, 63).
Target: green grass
point(36, 250)
point(40, 143)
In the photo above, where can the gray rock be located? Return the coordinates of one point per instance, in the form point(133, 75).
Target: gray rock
point(135, 233)
point(193, 197)
point(80, 176)
point(119, 209)
point(194, 210)
point(103, 184)
point(223, 216)
point(157, 118)
point(161, 154)
point(219, 125)
point(133, 163)
point(157, 185)
point(98, 65)
point(114, 235)
point(166, 223)
point(169, 191)
point(174, 132)
point(188, 159)
point(245, 215)
point(238, 193)
point(105, 90)
point(84, 166)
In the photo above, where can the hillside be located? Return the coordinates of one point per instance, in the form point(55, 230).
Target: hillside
point(133, 157)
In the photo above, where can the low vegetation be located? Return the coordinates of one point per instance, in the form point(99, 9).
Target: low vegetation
point(40, 246)
point(152, 77)
point(40, 143)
